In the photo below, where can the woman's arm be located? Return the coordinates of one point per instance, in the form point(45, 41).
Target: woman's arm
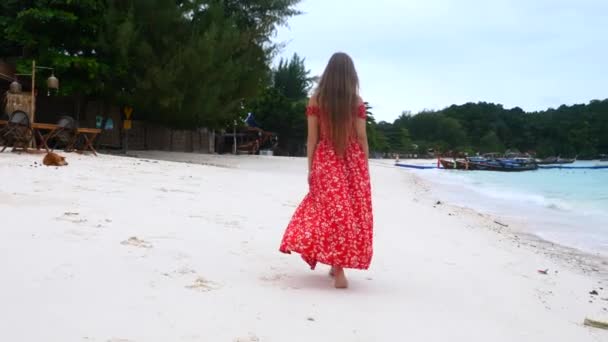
point(313, 139)
point(360, 127)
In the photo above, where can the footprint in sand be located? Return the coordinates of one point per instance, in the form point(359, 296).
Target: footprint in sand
point(273, 278)
point(181, 256)
point(176, 191)
point(233, 222)
point(250, 338)
point(184, 271)
point(80, 233)
point(245, 247)
point(136, 242)
point(281, 280)
point(203, 285)
point(71, 217)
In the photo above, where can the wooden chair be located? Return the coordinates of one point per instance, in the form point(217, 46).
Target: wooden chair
point(17, 132)
point(3, 128)
point(64, 134)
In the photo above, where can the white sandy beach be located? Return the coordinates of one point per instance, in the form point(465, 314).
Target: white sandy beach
point(203, 264)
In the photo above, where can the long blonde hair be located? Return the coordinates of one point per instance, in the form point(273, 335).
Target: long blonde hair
point(338, 97)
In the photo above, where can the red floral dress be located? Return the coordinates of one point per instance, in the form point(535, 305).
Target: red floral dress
point(334, 224)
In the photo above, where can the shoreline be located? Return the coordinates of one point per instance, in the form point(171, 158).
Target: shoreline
point(142, 249)
point(519, 233)
point(517, 226)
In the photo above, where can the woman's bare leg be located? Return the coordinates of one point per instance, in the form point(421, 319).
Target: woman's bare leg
point(340, 281)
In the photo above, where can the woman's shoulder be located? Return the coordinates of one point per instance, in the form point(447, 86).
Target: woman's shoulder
point(313, 101)
point(361, 108)
point(360, 101)
point(313, 106)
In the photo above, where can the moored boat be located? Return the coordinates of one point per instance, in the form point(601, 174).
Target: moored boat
point(448, 164)
point(457, 164)
point(490, 164)
point(555, 160)
point(504, 165)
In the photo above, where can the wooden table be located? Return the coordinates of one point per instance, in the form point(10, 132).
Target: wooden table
point(89, 135)
point(37, 129)
point(52, 130)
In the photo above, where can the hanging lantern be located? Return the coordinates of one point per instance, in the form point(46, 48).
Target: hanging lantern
point(52, 82)
point(15, 87)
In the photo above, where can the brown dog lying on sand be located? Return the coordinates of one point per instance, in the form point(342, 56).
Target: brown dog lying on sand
point(53, 159)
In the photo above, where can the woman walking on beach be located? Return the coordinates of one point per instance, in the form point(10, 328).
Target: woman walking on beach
point(334, 225)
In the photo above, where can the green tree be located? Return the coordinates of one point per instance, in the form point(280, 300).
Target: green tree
point(275, 112)
point(282, 106)
point(204, 59)
point(292, 79)
point(377, 140)
point(9, 10)
point(491, 143)
point(185, 64)
point(567, 131)
point(62, 34)
point(405, 141)
point(450, 131)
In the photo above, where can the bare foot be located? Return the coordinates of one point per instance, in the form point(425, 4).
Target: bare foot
point(340, 281)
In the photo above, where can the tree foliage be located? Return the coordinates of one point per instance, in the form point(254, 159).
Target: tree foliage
point(485, 127)
point(292, 79)
point(276, 113)
point(281, 107)
point(62, 34)
point(184, 63)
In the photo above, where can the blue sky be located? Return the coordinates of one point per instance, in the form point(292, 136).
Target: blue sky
point(429, 54)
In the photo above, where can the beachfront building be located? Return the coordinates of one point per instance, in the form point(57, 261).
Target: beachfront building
point(95, 113)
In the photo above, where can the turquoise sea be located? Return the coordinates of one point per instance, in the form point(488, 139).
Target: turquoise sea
point(569, 207)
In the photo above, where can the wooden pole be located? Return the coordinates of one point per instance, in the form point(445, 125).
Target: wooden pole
point(33, 104)
point(234, 138)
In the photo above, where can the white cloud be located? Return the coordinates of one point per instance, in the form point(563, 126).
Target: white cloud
point(421, 54)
